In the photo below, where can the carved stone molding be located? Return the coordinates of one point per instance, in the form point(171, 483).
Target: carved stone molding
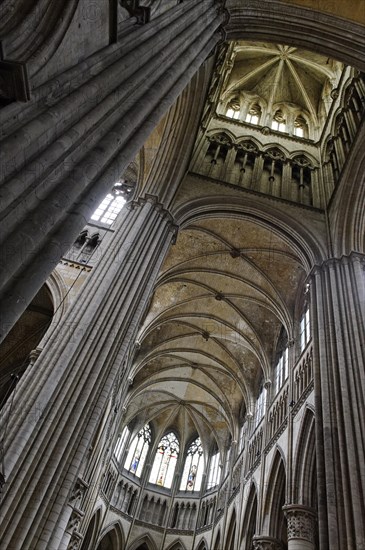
point(301, 522)
point(75, 541)
point(261, 542)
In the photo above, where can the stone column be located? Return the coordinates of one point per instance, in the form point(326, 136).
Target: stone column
point(301, 527)
point(57, 408)
point(338, 331)
point(263, 542)
point(68, 151)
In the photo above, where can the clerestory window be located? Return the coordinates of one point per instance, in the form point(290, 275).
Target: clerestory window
point(278, 122)
point(304, 330)
point(194, 467)
point(109, 208)
point(233, 108)
point(281, 371)
point(260, 405)
point(213, 476)
point(121, 442)
point(253, 115)
point(138, 451)
point(300, 126)
point(163, 468)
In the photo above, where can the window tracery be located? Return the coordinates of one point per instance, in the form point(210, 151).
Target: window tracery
point(112, 204)
point(194, 466)
point(138, 450)
point(165, 461)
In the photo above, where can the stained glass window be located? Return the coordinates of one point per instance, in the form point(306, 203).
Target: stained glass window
point(194, 466)
point(163, 468)
point(138, 451)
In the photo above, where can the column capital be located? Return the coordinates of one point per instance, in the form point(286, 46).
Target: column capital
point(264, 542)
point(343, 260)
point(301, 522)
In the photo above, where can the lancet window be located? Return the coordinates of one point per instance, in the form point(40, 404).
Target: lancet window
point(194, 467)
point(121, 443)
point(304, 329)
point(138, 450)
point(213, 476)
point(163, 468)
point(260, 405)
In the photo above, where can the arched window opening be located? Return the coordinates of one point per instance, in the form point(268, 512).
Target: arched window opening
point(302, 176)
point(194, 466)
point(300, 127)
point(254, 114)
point(213, 476)
point(138, 451)
point(233, 108)
point(281, 369)
point(304, 329)
point(260, 404)
point(165, 461)
point(278, 122)
point(109, 208)
point(228, 456)
point(121, 442)
point(274, 161)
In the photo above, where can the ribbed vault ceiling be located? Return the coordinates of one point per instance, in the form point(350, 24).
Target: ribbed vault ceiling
point(224, 292)
point(284, 74)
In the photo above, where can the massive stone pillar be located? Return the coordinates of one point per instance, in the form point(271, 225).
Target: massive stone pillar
point(54, 415)
point(338, 325)
point(301, 527)
point(62, 152)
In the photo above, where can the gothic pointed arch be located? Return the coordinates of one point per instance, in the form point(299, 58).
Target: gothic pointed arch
point(111, 538)
point(144, 542)
point(230, 543)
point(177, 545)
point(217, 543)
point(203, 545)
point(274, 522)
point(92, 530)
point(305, 462)
point(249, 519)
point(325, 33)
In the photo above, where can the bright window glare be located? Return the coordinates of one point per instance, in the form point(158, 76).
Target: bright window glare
point(109, 208)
